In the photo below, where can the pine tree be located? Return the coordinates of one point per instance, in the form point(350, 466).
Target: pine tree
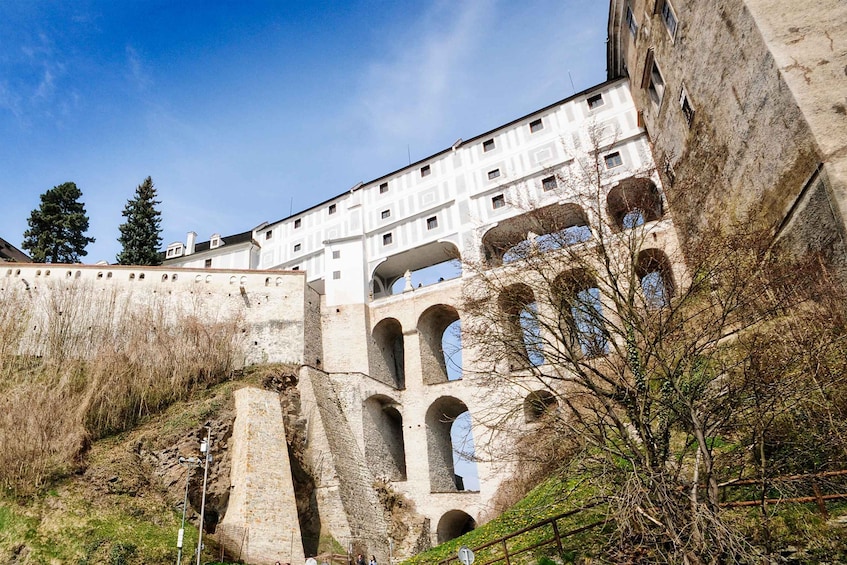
point(141, 233)
point(57, 228)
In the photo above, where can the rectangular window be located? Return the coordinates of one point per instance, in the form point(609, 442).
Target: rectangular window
point(383, 188)
point(630, 21)
point(336, 254)
point(269, 234)
point(536, 125)
point(297, 247)
point(685, 104)
point(493, 174)
point(385, 214)
point(613, 160)
point(387, 239)
point(297, 223)
point(336, 275)
point(498, 201)
point(432, 223)
point(332, 208)
point(655, 84)
point(295, 268)
point(488, 145)
point(207, 263)
point(595, 101)
point(425, 171)
point(669, 17)
point(549, 183)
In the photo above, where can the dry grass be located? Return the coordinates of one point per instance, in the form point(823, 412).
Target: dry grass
point(77, 364)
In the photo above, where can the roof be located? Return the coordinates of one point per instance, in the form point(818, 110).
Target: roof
point(9, 252)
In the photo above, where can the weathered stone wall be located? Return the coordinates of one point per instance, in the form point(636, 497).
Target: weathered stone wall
point(268, 307)
point(261, 523)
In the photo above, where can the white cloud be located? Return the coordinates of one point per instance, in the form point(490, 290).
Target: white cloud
point(136, 70)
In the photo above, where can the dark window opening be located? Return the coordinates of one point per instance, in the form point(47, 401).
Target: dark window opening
point(488, 145)
point(536, 125)
point(498, 201)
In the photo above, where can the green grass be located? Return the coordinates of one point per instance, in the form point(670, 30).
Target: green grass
point(552, 497)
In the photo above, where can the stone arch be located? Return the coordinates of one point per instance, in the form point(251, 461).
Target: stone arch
point(388, 364)
point(544, 229)
point(537, 403)
point(518, 304)
point(453, 524)
point(440, 416)
point(429, 263)
point(433, 330)
point(632, 202)
point(385, 450)
point(653, 269)
point(580, 309)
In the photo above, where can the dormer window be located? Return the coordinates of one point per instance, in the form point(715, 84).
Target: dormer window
point(215, 241)
point(175, 250)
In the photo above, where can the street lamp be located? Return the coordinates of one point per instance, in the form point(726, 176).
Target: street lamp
point(206, 451)
point(188, 462)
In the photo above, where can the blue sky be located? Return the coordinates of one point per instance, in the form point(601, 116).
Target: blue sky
point(243, 110)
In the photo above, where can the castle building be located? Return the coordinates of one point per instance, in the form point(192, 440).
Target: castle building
point(744, 103)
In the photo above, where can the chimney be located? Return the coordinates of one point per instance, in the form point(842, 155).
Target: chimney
point(190, 240)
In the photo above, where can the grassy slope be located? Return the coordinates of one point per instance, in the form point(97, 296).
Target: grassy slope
point(115, 512)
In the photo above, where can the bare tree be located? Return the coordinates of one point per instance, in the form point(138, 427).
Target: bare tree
point(653, 361)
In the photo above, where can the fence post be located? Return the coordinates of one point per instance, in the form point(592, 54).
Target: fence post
point(819, 500)
point(558, 540)
point(506, 553)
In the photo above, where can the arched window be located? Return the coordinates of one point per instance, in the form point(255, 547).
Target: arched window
point(536, 404)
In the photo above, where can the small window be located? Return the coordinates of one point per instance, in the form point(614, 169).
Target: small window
point(297, 223)
point(549, 184)
point(493, 174)
point(297, 247)
point(630, 21)
point(269, 234)
point(685, 104)
point(385, 214)
point(214, 243)
point(536, 125)
point(613, 160)
point(336, 254)
point(295, 268)
point(432, 223)
point(595, 101)
point(488, 145)
point(383, 188)
point(336, 275)
point(425, 171)
point(669, 17)
point(331, 209)
point(498, 201)
point(387, 239)
point(207, 263)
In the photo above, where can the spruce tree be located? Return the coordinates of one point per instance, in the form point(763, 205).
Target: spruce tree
point(57, 228)
point(141, 233)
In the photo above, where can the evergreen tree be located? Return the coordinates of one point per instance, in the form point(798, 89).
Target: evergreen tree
point(57, 228)
point(141, 233)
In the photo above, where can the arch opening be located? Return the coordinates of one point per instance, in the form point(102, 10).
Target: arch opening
point(428, 264)
point(545, 229)
point(537, 404)
point(581, 312)
point(518, 304)
point(453, 524)
point(655, 276)
point(633, 202)
point(388, 360)
point(450, 446)
point(439, 328)
point(383, 432)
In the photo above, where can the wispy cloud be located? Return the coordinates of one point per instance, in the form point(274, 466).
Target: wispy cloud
point(409, 88)
point(136, 70)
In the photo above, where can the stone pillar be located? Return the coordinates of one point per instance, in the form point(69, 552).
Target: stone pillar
point(261, 524)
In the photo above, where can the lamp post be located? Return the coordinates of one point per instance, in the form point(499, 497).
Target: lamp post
point(188, 462)
point(206, 451)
